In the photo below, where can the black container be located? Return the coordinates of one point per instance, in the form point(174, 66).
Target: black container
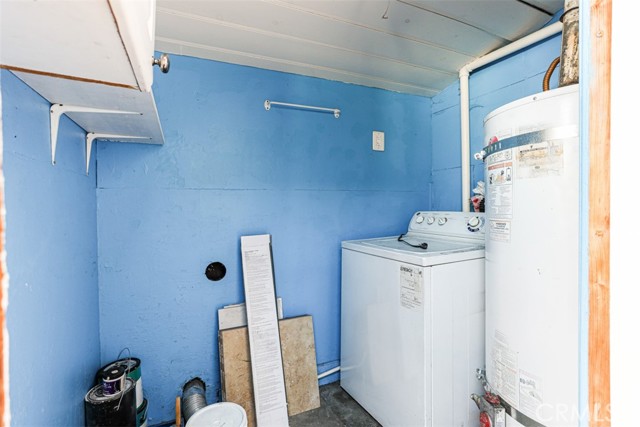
point(132, 369)
point(142, 414)
point(119, 410)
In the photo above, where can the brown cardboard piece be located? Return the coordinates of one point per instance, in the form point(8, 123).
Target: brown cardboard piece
point(299, 362)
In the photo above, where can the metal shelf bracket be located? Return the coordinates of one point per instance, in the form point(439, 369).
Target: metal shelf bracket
point(58, 110)
point(92, 136)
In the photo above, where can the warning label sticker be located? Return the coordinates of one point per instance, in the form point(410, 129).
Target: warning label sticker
point(499, 174)
point(505, 363)
point(530, 394)
point(500, 230)
point(541, 159)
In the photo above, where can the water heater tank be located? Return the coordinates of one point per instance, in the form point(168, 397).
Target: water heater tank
point(531, 201)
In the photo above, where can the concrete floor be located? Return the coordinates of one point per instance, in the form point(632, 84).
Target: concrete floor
point(337, 409)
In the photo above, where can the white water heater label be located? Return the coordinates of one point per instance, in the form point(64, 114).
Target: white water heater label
point(500, 173)
point(530, 394)
point(411, 287)
point(541, 159)
point(500, 230)
point(500, 184)
point(505, 364)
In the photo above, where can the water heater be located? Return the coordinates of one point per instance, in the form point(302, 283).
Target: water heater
point(531, 200)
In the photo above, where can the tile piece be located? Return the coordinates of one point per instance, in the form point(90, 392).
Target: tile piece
point(299, 362)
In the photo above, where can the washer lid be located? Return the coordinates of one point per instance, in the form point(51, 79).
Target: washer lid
point(439, 251)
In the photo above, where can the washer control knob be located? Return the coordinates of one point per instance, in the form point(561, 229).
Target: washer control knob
point(430, 220)
point(442, 221)
point(474, 223)
point(419, 219)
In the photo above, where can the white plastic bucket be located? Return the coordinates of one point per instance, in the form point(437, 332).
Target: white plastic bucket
point(226, 414)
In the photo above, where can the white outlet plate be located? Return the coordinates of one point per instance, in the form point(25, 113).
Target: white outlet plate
point(378, 140)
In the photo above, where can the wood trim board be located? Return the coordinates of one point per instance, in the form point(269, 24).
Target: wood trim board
point(599, 213)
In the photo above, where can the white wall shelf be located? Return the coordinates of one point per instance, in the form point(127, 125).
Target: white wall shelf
point(92, 60)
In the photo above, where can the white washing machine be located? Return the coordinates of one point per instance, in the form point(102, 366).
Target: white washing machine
point(412, 331)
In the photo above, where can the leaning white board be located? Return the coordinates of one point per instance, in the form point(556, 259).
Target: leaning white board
point(264, 335)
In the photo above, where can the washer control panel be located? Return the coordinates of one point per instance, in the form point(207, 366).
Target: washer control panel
point(463, 224)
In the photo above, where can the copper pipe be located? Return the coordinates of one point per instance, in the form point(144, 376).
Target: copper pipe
point(547, 75)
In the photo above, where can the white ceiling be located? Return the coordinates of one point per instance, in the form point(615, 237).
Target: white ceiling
point(409, 46)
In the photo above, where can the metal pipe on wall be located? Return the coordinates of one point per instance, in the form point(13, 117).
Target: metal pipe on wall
point(569, 69)
point(464, 98)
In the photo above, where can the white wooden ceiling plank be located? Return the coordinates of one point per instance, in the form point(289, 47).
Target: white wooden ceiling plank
point(384, 43)
point(276, 64)
point(509, 20)
point(551, 6)
point(28, 28)
point(299, 51)
point(407, 75)
point(405, 21)
point(294, 23)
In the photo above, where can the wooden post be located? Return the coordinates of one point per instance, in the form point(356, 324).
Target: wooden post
point(4, 410)
point(599, 214)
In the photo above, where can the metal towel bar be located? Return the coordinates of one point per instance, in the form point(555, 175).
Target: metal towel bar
point(335, 111)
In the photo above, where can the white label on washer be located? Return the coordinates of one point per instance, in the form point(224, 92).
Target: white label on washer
point(411, 286)
point(505, 364)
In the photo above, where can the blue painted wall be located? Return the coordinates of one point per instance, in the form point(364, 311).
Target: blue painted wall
point(52, 316)
point(229, 168)
point(491, 87)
